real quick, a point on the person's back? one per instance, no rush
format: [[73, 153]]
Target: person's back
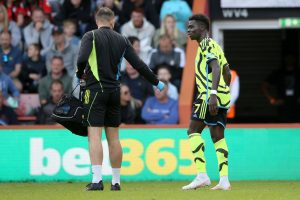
[[99, 64], [110, 48], [106, 41]]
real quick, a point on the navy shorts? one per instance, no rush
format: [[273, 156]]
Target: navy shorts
[[201, 113], [101, 108]]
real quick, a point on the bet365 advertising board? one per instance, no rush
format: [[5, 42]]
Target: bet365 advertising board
[[148, 154]]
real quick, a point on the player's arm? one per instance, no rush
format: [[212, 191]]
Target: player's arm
[[84, 53], [216, 73], [226, 74]]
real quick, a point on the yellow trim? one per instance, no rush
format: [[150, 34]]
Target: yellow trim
[[93, 60], [90, 109]]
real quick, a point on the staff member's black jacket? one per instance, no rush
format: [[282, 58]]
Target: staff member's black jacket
[[110, 48]]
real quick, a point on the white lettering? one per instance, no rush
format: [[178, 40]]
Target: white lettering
[[75, 157], [237, 13], [38, 155]]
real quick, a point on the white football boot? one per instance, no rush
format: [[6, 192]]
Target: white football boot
[[223, 184], [201, 180]]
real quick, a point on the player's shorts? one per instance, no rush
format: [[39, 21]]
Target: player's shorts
[[201, 113], [101, 108]]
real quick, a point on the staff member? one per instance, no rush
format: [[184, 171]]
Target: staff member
[[100, 57]]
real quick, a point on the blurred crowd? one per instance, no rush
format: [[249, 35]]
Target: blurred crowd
[[39, 43]]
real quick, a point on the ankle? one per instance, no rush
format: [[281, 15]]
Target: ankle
[[202, 175], [224, 179]]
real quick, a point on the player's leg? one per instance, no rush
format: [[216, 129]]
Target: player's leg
[[94, 109], [197, 147], [217, 134], [96, 156], [115, 155], [111, 123]]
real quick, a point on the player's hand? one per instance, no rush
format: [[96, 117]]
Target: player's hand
[[160, 86], [213, 104]]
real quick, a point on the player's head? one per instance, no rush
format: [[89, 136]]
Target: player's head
[[198, 24], [106, 17]]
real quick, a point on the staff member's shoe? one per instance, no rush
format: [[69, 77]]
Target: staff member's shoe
[[115, 187], [94, 186]]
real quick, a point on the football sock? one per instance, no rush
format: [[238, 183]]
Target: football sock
[[222, 155], [115, 175], [224, 179], [197, 148], [97, 173]]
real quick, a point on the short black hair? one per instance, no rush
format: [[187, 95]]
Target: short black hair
[[36, 46], [133, 39], [163, 66], [201, 18], [105, 14], [57, 57], [59, 82], [6, 31]]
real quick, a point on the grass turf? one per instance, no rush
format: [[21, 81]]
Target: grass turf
[[266, 190]]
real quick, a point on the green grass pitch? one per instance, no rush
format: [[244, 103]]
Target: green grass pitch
[[265, 190]]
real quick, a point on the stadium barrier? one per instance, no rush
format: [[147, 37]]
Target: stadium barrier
[[150, 153]]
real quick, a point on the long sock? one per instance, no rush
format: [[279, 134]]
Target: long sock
[[197, 147], [115, 175], [222, 155], [97, 173]]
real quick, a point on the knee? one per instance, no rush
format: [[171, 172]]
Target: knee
[[217, 138], [193, 130]]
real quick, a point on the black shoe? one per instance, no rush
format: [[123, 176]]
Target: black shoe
[[94, 186], [115, 187]]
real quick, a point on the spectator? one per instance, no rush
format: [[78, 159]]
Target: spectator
[[160, 109], [168, 27], [57, 73], [17, 11], [286, 82], [149, 9], [20, 10], [56, 91], [69, 32], [38, 31], [79, 10], [144, 55], [7, 114], [127, 105], [163, 73], [167, 54], [179, 9], [138, 26], [62, 48], [140, 89], [11, 58], [9, 25], [33, 69], [7, 86]]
